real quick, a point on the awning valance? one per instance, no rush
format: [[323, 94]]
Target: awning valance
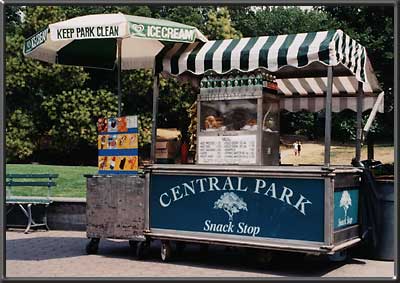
[[287, 56], [317, 103]]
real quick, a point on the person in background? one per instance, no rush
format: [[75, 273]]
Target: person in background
[[298, 148], [295, 148]]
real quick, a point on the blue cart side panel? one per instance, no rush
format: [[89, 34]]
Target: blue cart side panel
[[282, 208], [345, 207]]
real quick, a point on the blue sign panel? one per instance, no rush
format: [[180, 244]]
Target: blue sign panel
[[281, 208], [345, 207]]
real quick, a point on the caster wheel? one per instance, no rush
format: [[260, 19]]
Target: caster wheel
[[142, 249], [133, 244], [339, 256], [93, 246], [165, 251]]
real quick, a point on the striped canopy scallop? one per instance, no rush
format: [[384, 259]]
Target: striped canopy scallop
[[289, 55]]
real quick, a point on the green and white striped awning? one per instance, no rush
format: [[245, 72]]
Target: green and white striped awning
[[293, 56]]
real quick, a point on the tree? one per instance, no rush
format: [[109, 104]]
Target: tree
[[73, 115], [279, 20], [377, 36], [231, 204], [219, 25], [345, 202], [20, 136], [29, 82]]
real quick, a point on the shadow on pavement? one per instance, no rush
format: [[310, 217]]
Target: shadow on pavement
[[217, 257], [234, 259]]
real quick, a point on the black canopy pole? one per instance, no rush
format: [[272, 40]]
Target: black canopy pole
[[156, 90], [119, 49], [360, 96], [328, 118]]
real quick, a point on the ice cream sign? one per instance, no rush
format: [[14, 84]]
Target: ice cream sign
[[167, 33], [118, 145]]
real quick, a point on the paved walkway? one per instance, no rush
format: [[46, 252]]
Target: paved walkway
[[62, 254]]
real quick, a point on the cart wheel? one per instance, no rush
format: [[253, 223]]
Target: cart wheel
[[133, 244], [93, 246], [180, 247], [338, 256], [165, 251], [142, 249]]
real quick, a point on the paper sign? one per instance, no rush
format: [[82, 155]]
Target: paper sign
[[227, 149]]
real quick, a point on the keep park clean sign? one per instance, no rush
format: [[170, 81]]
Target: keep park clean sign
[[162, 32], [85, 32]]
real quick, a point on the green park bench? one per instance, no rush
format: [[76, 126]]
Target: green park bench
[[26, 202]]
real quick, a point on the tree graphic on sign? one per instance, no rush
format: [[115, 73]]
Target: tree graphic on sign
[[345, 202], [230, 203]]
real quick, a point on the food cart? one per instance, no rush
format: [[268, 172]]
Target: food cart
[[237, 193]]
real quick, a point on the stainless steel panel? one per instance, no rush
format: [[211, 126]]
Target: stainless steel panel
[[115, 207], [346, 234], [328, 230]]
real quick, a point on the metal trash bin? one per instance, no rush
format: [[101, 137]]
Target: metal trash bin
[[385, 247]]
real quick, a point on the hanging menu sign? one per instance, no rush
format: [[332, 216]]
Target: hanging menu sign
[[227, 149]]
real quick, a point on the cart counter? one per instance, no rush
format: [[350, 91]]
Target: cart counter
[[303, 208]]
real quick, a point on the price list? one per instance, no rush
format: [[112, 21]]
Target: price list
[[227, 149]]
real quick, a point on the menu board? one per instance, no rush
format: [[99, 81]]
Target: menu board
[[118, 145], [227, 149]]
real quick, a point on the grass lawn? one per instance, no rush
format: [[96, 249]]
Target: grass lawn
[[70, 181]]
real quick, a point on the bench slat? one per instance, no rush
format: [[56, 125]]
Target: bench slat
[[31, 175], [30, 184], [28, 200]]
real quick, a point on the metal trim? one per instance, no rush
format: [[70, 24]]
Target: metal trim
[[252, 168], [345, 245], [147, 187], [244, 174], [328, 211], [234, 240], [348, 230]]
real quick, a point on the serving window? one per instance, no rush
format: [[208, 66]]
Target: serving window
[[228, 115]]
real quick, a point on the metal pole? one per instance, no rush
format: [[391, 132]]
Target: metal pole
[[328, 118], [119, 49], [360, 96], [155, 110]]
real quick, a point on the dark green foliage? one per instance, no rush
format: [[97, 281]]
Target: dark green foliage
[[73, 115], [344, 126], [20, 136], [299, 123]]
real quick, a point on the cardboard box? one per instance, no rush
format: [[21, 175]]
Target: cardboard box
[[167, 149]]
